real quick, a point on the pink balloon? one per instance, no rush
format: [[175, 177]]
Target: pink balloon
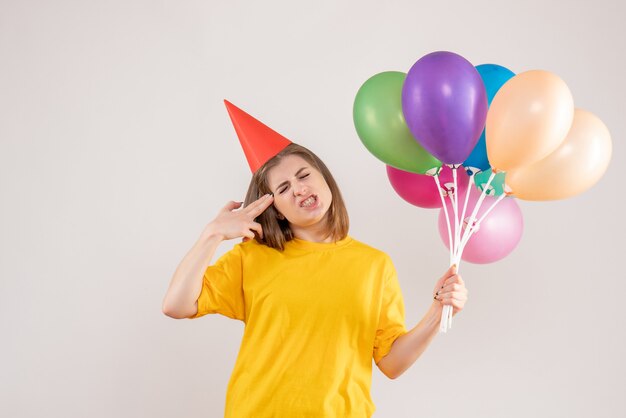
[[421, 190], [498, 234]]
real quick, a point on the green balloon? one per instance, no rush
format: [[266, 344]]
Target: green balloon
[[380, 124], [496, 188]]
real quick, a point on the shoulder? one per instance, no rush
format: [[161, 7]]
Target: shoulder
[[246, 253], [374, 259], [370, 251], [253, 248]]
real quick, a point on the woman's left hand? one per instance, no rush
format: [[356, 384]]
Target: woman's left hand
[[450, 290]]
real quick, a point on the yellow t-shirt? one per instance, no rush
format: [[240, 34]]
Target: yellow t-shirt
[[315, 315]]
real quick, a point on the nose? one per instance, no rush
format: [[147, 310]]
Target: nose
[[299, 189]]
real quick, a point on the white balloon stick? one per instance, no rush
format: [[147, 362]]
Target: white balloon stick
[[476, 224], [445, 211], [444, 314], [467, 194], [477, 207], [455, 202]]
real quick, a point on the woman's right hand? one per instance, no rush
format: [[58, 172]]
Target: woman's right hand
[[230, 223]]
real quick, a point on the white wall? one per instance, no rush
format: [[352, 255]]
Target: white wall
[[116, 150]]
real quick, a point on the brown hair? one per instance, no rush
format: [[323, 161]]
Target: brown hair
[[276, 232]]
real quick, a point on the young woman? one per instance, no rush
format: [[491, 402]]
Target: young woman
[[317, 305]]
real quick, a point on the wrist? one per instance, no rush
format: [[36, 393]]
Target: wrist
[[210, 234], [433, 315], [211, 237]]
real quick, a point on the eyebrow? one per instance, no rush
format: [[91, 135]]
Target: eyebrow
[[287, 181]]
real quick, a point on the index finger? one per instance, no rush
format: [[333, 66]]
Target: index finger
[[453, 279], [258, 206]]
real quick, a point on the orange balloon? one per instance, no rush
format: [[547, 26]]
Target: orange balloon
[[528, 119], [574, 167]]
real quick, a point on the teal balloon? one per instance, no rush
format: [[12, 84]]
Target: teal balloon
[[493, 76], [496, 188], [380, 124]]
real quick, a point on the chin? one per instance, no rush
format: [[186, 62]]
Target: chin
[[314, 221]]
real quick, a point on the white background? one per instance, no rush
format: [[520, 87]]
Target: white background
[[116, 151]]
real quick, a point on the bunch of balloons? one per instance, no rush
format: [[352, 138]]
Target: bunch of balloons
[[447, 129]]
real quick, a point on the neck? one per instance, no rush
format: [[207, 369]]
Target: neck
[[313, 233]]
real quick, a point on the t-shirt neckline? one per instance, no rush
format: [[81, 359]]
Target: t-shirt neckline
[[301, 244]]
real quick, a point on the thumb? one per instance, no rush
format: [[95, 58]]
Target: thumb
[[232, 205]]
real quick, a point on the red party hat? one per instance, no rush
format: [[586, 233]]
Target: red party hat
[[259, 142]]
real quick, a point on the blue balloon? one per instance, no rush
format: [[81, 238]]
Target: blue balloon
[[493, 76]]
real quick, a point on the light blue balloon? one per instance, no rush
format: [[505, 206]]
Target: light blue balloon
[[494, 76]]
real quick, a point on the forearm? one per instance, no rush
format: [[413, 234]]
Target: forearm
[[186, 284], [407, 348]]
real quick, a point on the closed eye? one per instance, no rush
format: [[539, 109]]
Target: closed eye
[[280, 189]]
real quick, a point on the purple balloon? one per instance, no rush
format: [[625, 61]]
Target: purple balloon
[[445, 105]]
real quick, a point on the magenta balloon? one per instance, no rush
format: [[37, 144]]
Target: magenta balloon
[[421, 190], [498, 234], [444, 102]]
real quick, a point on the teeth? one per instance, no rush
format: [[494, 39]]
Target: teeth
[[308, 202]]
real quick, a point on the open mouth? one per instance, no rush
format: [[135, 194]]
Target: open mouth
[[309, 201]]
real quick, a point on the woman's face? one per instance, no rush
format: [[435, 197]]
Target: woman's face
[[300, 192]]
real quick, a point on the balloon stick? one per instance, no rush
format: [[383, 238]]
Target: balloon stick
[[455, 204], [445, 211], [474, 227], [446, 315], [444, 321], [467, 194], [476, 208]]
